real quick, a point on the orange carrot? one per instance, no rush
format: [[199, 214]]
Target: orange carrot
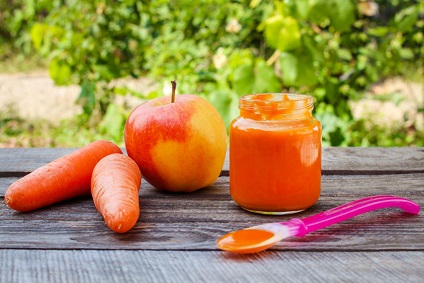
[[64, 178], [115, 185]]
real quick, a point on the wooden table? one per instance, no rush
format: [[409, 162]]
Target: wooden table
[[174, 239]]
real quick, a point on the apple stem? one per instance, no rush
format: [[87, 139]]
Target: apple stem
[[174, 87]]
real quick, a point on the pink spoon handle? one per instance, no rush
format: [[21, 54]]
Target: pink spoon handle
[[349, 210]]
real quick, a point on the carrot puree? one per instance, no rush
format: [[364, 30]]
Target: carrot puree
[[275, 154], [245, 241]]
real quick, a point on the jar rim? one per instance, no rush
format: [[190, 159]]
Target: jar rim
[[276, 101]]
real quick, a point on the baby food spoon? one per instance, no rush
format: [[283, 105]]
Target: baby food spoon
[[261, 237]]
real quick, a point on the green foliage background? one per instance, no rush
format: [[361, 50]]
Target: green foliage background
[[221, 50]]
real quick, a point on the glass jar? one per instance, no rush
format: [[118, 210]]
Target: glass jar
[[275, 154]]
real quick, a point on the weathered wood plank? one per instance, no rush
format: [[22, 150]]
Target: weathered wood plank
[[199, 266], [16, 162], [361, 160], [174, 240], [195, 221]]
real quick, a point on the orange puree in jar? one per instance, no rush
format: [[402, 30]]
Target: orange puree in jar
[[275, 154]]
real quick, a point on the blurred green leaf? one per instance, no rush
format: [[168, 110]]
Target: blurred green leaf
[[226, 102], [406, 19], [29, 8], [87, 97], [406, 53], [60, 72], [302, 8], [378, 31], [344, 54], [17, 21], [254, 3], [244, 79], [288, 65], [113, 122], [340, 13], [306, 75], [37, 33], [282, 33], [337, 137], [106, 72], [265, 78]]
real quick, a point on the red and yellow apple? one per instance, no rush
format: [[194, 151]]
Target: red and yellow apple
[[179, 145]]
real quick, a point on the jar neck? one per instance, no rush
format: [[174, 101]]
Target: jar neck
[[276, 106]]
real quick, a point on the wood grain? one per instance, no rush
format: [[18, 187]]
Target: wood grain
[[174, 239], [361, 160], [371, 161], [197, 266], [17, 162], [195, 221]]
